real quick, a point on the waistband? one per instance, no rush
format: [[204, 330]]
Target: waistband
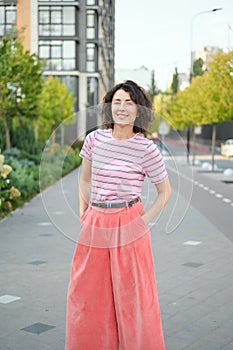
[[115, 205]]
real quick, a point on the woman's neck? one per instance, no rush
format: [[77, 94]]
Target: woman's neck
[[122, 132]]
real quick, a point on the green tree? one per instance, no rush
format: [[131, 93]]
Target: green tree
[[153, 91], [56, 105], [209, 98], [175, 82], [20, 84], [198, 67]]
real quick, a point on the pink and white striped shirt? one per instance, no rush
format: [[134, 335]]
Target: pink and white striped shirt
[[119, 167]]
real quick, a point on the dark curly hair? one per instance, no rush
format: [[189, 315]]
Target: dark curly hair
[[138, 96]]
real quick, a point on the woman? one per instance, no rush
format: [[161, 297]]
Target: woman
[[112, 295]]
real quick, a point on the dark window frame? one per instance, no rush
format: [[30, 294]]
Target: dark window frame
[[59, 60], [5, 26], [51, 9]]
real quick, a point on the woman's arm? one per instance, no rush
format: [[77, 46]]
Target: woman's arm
[[164, 193], [84, 186]]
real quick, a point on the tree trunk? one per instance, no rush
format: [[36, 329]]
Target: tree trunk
[[188, 144], [194, 146], [8, 139], [36, 128], [213, 145]]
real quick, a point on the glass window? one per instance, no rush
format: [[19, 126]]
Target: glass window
[[56, 30], [69, 49], [7, 18], [44, 30], [44, 52], [91, 57], [2, 14], [90, 66], [92, 91], [68, 30], [56, 64], [10, 16], [90, 33], [60, 55], [60, 19], [56, 51], [58, 0], [69, 64], [91, 19], [2, 29], [91, 2], [44, 17], [56, 17], [91, 24], [71, 83], [69, 15]]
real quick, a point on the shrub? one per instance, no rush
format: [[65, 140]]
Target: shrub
[[9, 195]]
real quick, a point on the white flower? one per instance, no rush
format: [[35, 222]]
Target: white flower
[[6, 169], [1, 161]]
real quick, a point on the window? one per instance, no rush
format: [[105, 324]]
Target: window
[[7, 18], [59, 54], [92, 101], [91, 57], [91, 2], [57, 21], [71, 83], [58, 0], [91, 30], [92, 91]]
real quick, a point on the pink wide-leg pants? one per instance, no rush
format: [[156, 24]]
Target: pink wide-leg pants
[[112, 297]]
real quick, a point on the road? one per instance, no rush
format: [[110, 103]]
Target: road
[[211, 193]]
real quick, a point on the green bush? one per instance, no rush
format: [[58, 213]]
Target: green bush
[[57, 162], [29, 177]]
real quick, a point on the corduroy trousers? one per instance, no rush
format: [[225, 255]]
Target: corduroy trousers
[[112, 300]]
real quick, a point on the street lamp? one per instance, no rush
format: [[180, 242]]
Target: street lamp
[[191, 64]]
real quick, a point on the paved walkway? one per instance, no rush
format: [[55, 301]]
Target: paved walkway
[[194, 267]]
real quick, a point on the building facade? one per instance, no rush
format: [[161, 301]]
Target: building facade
[[76, 40], [207, 54], [141, 76]]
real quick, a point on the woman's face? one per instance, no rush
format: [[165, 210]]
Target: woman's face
[[124, 110]]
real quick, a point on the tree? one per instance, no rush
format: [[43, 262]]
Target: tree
[[175, 82], [20, 84], [197, 67], [209, 98], [153, 91], [56, 105]]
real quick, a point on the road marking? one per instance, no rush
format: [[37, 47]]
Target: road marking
[[5, 299], [193, 243], [205, 188], [226, 200]]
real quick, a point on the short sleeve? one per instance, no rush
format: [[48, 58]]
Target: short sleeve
[[86, 151], [153, 164]]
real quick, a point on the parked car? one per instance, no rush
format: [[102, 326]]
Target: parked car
[[227, 148]]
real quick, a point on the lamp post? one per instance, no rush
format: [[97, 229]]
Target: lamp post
[[191, 65]]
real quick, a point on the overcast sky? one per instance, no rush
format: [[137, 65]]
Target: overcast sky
[[157, 34]]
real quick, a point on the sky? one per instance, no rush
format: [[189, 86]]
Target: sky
[[157, 34]]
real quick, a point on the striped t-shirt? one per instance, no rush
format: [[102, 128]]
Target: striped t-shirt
[[119, 167]]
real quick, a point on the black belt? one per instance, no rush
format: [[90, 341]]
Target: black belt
[[116, 205]]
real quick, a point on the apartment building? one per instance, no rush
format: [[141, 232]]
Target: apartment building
[[76, 39]]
